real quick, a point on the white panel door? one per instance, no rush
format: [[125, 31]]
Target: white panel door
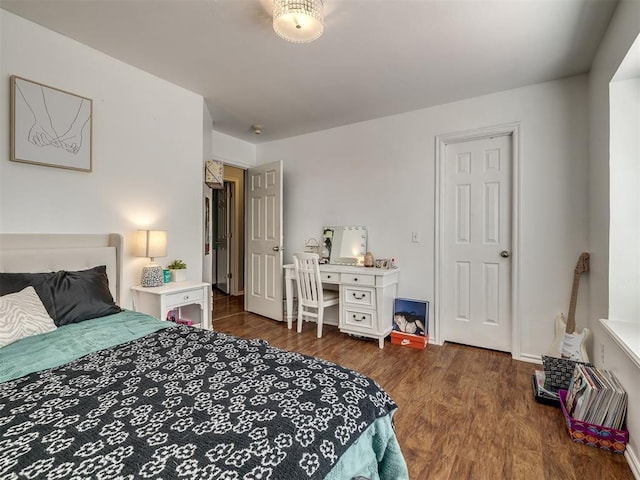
[[263, 286], [477, 264]]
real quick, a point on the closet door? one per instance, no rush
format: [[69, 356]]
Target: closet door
[[477, 259]]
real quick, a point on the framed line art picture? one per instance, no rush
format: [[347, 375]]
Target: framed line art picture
[[49, 126]]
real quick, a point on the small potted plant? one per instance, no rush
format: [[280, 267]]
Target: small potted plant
[[178, 270]]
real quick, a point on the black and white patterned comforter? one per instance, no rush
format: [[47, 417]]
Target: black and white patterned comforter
[[185, 403]]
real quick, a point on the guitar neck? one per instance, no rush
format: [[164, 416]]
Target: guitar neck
[[571, 318]]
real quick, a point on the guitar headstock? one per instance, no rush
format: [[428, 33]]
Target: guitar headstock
[[583, 263]]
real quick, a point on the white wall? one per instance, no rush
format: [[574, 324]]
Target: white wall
[[381, 174], [622, 31], [624, 221], [207, 154], [233, 151], [147, 151]]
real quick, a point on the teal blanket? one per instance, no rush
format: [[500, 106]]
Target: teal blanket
[[73, 341], [375, 455]]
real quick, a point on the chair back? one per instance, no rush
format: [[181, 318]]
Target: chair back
[[308, 279]]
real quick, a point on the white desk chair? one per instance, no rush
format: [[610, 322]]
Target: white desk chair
[[312, 298]]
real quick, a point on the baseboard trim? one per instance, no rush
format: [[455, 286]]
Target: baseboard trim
[[526, 357], [634, 463]]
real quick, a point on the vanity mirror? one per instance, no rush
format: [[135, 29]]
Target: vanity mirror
[[344, 245]]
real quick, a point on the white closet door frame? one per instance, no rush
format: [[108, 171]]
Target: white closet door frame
[[441, 143]]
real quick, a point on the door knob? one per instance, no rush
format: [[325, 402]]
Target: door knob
[[276, 248], [505, 254]]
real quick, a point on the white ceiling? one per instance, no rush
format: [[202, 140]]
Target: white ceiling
[[376, 57]]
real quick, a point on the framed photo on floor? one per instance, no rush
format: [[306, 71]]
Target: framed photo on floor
[[411, 316]]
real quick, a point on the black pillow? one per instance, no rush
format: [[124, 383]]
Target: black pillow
[[69, 297], [41, 282], [82, 295]]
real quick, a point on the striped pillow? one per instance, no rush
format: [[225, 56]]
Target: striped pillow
[[22, 314]]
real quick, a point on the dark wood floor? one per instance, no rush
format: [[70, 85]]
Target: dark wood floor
[[464, 412]]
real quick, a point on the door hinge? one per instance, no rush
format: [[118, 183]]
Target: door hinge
[[229, 275]]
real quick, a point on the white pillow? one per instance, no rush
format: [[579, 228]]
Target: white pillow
[[22, 314]]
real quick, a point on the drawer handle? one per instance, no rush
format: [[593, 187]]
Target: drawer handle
[[355, 279], [359, 298], [186, 297], [328, 276], [359, 319]]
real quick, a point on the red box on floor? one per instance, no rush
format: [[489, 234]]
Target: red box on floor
[[409, 340]]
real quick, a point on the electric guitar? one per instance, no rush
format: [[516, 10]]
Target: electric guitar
[[568, 343]]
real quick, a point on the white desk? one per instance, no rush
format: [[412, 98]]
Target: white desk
[[366, 298], [158, 301]]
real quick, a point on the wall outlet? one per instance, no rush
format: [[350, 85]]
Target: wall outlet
[[415, 237], [602, 354]]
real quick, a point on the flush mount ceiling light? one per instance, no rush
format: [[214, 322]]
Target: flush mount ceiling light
[[298, 21]]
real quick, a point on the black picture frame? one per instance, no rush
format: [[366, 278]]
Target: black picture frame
[[411, 316]]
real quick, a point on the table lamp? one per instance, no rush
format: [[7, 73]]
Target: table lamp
[[151, 244]]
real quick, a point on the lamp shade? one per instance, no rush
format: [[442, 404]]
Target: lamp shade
[[151, 244], [298, 21]]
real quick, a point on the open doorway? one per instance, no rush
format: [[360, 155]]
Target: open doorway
[[222, 244], [228, 235]]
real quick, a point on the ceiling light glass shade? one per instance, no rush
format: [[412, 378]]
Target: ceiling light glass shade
[[298, 21]]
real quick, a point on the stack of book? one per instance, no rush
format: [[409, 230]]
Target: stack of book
[[556, 376], [541, 393], [596, 396]]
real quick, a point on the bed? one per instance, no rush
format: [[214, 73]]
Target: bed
[[102, 392]]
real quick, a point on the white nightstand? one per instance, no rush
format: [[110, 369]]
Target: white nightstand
[[158, 301]]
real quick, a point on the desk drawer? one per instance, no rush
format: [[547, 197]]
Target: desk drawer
[[358, 279], [184, 298], [359, 320], [330, 277], [360, 296]]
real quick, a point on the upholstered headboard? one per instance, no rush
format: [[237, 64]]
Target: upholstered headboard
[[37, 252]]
